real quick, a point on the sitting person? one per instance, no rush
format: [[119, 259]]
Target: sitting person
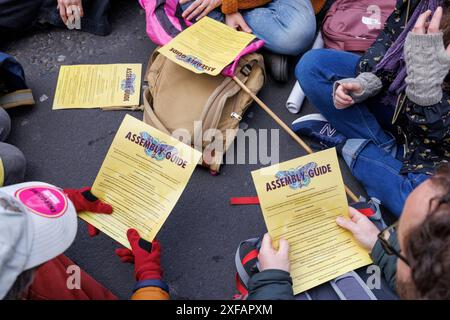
[[413, 257], [12, 88], [38, 222], [19, 16], [287, 27], [12, 160], [390, 122]]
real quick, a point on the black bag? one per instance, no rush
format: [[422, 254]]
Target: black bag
[[18, 16]]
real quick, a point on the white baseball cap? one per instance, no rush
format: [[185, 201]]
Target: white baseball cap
[[37, 223]]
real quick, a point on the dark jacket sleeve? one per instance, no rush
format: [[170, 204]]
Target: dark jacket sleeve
[[271, 285], [387, 263]]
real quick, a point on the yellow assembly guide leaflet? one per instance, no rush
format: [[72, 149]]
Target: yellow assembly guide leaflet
[[300, 200], [207, 46], [142, 177], [98, 86]]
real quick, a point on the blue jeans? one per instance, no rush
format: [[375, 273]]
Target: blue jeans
[[370, 152], [286, 26]]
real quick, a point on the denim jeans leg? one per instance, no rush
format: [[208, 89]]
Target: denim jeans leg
[[286, 26], [379, 172], [316, 72]]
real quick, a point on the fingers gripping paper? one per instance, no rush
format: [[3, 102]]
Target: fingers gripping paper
[[207, 46], [142, 177], [300, 200]]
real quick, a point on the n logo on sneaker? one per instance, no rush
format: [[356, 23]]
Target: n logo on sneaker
[[328, 130]]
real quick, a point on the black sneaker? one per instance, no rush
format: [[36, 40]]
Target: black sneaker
[[276, 65]]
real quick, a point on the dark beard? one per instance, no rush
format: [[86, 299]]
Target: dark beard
[[406, 290]]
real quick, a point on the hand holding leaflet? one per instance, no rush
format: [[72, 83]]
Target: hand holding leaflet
[[300, 200], [142, 178]]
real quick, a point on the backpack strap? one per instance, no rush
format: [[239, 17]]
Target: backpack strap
[[372, 210], [17, 98], [213, 111], [350, 286], [244, 200], [247, 251]]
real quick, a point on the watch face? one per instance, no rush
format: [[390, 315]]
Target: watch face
[[45, 201]]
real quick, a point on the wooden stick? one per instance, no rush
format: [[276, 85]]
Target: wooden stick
[[286, 128]]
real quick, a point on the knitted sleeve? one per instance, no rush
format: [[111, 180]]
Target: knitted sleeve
[[369, 82], [427, 64]]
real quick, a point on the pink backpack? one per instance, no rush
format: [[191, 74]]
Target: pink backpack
[[353, 25]]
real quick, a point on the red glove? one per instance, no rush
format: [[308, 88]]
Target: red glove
[[145, 255], [84, 200]]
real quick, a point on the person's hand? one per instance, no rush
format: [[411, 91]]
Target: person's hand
[[423, 27], [64, 11], [237, 22], [365, 232], [342, 98], [199, 8], [146, 257], [84, 200], [269, 258]]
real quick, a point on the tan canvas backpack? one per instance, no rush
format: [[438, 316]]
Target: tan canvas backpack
[[180, 101]]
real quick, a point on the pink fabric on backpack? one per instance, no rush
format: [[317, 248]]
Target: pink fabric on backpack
[[229, 70], [354, 25], [170, 9], [164, 22]]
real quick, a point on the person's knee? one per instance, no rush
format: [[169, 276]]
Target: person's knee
[[295, 38], [307, 69], [5, 124], [13, 162]]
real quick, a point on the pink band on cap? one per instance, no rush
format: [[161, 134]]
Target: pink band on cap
[[45, 201]]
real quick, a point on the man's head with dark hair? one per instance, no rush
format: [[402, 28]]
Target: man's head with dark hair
[[424, 237]]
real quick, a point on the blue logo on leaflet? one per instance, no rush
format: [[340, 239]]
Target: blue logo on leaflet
[[127, 84], [193, 61], [156, 149], [301, 175]]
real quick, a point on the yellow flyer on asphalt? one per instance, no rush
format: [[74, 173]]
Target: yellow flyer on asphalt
[[143, 176], [207, 46], [300, 200], [98, 86]]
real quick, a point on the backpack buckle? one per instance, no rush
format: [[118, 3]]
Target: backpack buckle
[[246, 70], [236, 116]]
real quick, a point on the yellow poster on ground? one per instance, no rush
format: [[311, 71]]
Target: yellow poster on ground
[[300, 200], [142, 177], [98, 86], [207, 46]]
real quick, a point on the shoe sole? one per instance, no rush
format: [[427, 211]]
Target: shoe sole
[[283, 75], [314, 116]]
